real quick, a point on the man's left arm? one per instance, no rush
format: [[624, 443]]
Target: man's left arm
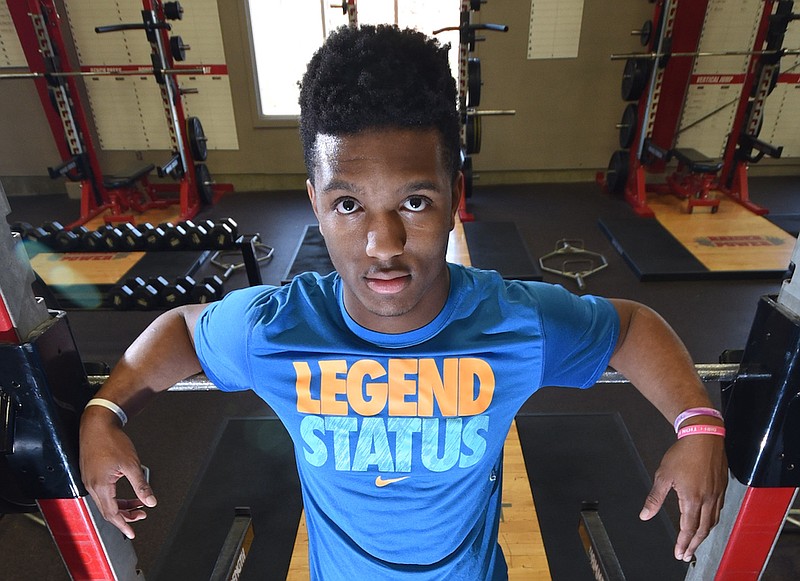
[[656, 362]]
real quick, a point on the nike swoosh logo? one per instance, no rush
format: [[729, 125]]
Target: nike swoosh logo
[[380, 482]]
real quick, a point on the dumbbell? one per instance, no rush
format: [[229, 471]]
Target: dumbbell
[[135, 293], [223, 234], [154, 237], [196, 235], [172, 294], [21, 228], [177, 293], [175, 236], [92, 241], [125, 237], [121, 297], [210, 290], [69, 240], [160, 284], [145, 296], [45, 233]]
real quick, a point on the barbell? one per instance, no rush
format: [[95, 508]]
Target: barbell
[[708, 372], [662, 57], [107, 73]]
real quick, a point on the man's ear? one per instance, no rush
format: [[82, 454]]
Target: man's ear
[[457, 194], [312, 196]]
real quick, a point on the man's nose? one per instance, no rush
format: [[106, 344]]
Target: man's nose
[[386, 236]]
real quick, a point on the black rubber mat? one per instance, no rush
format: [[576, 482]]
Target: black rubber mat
[[499, 246], [787, 222], [651, 251], [252, 466], [654, 254], [311, 255], [590, 457]]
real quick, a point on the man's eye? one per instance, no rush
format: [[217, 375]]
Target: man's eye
[[416, 203], [346, 206]]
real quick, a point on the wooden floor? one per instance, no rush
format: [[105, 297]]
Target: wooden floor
[[733, 239], [519, 535]]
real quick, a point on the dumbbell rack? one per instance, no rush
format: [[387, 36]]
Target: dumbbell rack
[[664, 85]]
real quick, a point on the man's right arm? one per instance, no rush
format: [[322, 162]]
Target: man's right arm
[[160, 357]]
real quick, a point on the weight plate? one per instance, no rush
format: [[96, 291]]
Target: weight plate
[[646, 32], [473, 134], [617, 174], [177, 48], [197, 139], [473, 82], [466, 169], [634, 78], [205, 186], [173, 10], [628, 125]]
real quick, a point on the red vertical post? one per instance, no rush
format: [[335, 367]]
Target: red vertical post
[[75, 534], [754, 533]]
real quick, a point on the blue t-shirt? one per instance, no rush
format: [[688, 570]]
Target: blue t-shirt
[[399, 437]]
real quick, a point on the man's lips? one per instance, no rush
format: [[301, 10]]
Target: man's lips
[[389, 282]]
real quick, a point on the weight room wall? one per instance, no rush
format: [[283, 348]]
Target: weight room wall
[[564, 128]]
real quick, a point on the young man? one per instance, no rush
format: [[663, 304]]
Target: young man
[[399, 375]]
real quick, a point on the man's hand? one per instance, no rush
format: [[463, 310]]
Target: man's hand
[[696, 468], [107, 455]]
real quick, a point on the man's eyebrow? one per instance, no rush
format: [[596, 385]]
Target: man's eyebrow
[[423, 185], [340, 185]]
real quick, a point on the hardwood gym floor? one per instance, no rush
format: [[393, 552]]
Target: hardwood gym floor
[[175, 434]]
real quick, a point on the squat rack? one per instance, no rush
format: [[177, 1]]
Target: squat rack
[[38, 26]]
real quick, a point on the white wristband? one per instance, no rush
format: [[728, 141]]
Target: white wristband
[[110, 405]]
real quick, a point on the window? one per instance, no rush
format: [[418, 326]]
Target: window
[[285, 33]]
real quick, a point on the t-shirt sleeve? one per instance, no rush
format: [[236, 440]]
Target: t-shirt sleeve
[[222, 336], [580, 334]]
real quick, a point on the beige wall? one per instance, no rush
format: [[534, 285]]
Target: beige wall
[[564, 128]]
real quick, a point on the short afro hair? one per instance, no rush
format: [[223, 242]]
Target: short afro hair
[[379, 77]]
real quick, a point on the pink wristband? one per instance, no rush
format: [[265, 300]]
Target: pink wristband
[[693, 412], [701, 429]]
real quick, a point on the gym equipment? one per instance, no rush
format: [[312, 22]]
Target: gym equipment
[[177, 48], [469, 176], [473, 135], [253, 253], [645, 33], [634, 79], [205, 185], [350, 10], [197, 139], [469, 85], [173, 11], [663, 57], [231, 559], [597, 544], [37, 25], [664, 87], [473, 82], [627, 126], [39, 366], [125, 237], [618, 172], [575, 261]]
